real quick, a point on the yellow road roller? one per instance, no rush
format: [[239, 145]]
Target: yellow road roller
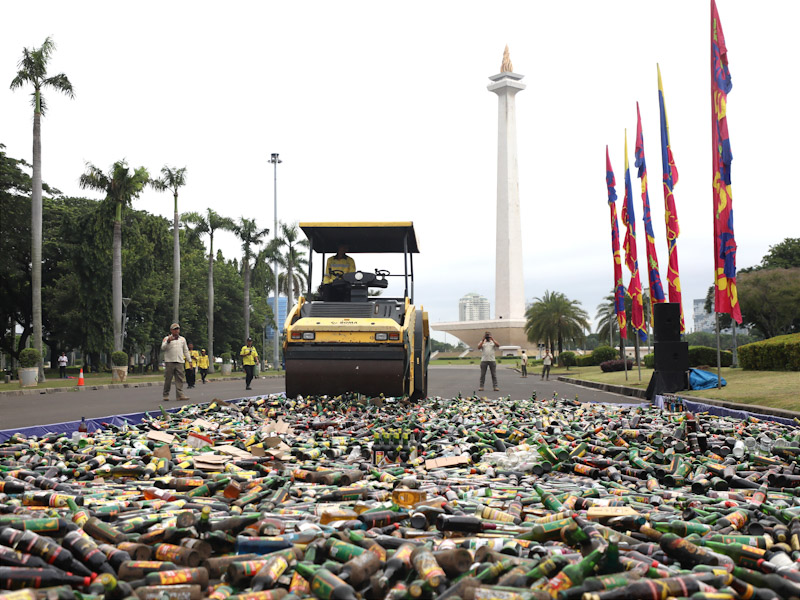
[[347, 335]]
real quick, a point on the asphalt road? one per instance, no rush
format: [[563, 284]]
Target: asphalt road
[[445, 381]]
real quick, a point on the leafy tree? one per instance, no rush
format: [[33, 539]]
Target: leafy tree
[[121, 186], [554, 318], [770, 300], [784, 255], [251, 236], [209, 224], [33, 70], [173, 179]]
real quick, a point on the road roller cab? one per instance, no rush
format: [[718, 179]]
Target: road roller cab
[[341, 336]]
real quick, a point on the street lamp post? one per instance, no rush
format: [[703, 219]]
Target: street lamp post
[[125, 302], [275, 161]]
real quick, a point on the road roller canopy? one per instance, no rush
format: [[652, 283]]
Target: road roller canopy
[[393, 237], [387, 237]]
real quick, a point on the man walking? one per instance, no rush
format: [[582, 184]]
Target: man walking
[[546, 363], [191, 366], [176, 352], [487, 347], [523, 363], [249, 357], [202, 364]]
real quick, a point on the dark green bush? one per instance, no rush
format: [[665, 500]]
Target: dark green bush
[[615, 365], [586, 361], [781, 353], [567, 359], [649, 361], [226, 358], [29, 358], [703, 355], [602, 354], [119, 358]]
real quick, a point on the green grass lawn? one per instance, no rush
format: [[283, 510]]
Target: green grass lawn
[[91, 379], [779, 389]]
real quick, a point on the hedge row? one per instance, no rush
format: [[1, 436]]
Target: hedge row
[[780, 353], [615, 365], [700, 356]]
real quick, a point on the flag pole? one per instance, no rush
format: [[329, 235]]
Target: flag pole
[[638, 362], [624, 358], [719, 355]]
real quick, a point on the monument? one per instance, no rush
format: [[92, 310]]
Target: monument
[[508, 326]]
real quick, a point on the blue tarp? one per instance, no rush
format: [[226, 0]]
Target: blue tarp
[[703, 380]]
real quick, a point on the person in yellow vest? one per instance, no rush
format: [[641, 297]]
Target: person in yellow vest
[[202, 364], [333, 288], [249, 357], [190, 366]]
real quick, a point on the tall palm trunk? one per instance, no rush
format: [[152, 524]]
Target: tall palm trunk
[[290, 286], [246, 297], [36, 235], [176, 266], [116, 279], [211, 304]]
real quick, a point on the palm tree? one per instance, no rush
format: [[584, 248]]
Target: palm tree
[[209, 224], [607, 317], [251, 236], [121, 186], [33, 70], [292, 260], [173, 179], [554, 318]]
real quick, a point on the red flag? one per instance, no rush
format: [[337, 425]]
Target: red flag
[[653, 274], [726, 299], [619, 284], [670, 178], [631, 260]]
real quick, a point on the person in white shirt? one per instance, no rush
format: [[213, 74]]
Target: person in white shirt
[[487, 346], [546, 363], [523, 363], [63, 361], [176, 352]]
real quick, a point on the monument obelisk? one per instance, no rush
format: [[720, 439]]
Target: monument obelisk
[[509, 289], [508, 325]]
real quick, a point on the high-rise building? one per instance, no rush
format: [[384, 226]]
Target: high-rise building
[[282, 300], [703, 320], [473, 307]]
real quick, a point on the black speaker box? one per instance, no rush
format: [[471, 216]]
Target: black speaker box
[[672, 357], [667, 322], [665, 382]]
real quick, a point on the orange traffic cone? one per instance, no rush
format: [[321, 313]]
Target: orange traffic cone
[[80, 378]]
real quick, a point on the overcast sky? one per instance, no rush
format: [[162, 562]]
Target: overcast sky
[[380, 111]]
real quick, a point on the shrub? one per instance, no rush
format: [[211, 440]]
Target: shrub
[[615, 365], [226, 358], [567, 359], [119, 358], [649, 361], [586, 361], [703, 355], [781, 353], [602, 354], [29, 358]]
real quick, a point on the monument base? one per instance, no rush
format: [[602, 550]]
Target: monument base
[[507, 332]]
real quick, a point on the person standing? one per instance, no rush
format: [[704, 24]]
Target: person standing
[[176, 353], [63, 361], [202, 365], [546, 364], [191, 366], [487, 347], [249, 357], [523, 363]]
